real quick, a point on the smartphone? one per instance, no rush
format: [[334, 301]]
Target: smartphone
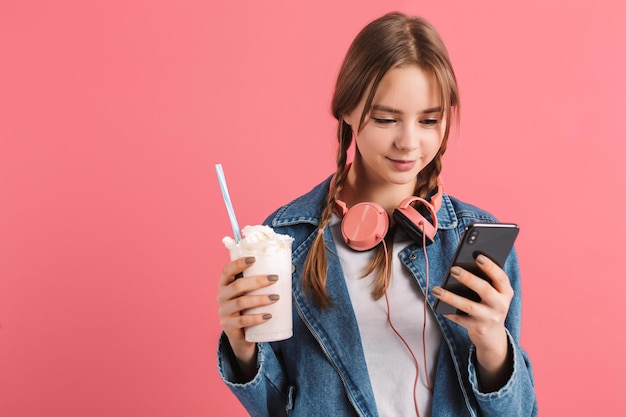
[[494, 240]]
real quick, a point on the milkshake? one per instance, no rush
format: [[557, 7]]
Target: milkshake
[[272, 252]]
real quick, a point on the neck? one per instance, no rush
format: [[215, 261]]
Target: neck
[[360, 186]]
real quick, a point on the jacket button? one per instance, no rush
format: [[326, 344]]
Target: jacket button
[[293, 268], [412, 256]]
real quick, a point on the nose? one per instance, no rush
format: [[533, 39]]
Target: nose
[[408, 138]]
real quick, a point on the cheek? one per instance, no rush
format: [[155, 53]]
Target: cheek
[[434, 140], [372, 140]]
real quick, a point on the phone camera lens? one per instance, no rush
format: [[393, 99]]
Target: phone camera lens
[[472, 237]]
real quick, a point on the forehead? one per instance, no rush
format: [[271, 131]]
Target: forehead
[[408, 85]]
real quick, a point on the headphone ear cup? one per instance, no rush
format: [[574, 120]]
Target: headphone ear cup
[[364, 226], [413, 223], [412, 229]]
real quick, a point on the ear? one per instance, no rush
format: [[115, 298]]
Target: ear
[[348, 119]]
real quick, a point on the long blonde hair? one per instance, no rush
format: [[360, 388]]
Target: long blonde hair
[[387, 42]]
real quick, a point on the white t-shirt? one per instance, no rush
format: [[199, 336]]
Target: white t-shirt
[[390, 365]]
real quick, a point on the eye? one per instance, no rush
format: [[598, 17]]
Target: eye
[[430, 122], [383, 121]]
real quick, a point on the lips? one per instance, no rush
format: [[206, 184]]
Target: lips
[[402, 165]]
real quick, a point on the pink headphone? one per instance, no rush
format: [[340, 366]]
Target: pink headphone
[[365, 224]]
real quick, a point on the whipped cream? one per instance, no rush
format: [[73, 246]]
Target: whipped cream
[[260, 238]]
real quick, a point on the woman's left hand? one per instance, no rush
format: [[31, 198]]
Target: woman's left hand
[[485, 319]]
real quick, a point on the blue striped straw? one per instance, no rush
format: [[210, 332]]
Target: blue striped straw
[[229, 206]]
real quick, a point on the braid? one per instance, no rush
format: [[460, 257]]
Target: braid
[[316, 264], [383, 275], [427, 179]]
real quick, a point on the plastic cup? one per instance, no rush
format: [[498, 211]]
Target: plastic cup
[[272, 256]]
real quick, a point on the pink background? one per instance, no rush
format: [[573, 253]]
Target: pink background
[[113, 114]]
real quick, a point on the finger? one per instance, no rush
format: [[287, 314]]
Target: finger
[[235, 323], [240, 305], [232, 269], [459, 302], [242, 286], [499, 279], [477, 284], [235, 298], [460, 319], [489, 295]]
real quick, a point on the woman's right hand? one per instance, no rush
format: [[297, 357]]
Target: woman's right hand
[[232, 300]]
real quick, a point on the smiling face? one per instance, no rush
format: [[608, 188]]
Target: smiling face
[[401, 133]]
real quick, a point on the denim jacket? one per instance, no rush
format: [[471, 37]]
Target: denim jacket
[[321, 370]]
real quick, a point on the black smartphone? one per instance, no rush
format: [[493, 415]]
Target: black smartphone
[[494, 240]]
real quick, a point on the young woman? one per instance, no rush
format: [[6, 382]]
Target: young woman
[[366, 341]]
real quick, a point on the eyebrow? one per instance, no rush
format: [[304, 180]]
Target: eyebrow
[[386, 109]]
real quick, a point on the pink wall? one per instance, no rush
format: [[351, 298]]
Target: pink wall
[[113, 114]]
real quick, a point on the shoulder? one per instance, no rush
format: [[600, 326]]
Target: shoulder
[[300, 218], [464, 209], [457, 214], [305, 209]]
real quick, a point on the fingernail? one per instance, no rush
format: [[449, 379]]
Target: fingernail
[[267, 316], [272, 277], [249, 260], [481, 259], [274, 297], [456, 271], [437, 291]]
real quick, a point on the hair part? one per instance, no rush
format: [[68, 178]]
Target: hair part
[[388, 42]]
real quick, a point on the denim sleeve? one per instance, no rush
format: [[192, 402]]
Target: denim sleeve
[[516, 397], [267, 393]]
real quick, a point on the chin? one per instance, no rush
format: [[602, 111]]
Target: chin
[[403, 178]]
